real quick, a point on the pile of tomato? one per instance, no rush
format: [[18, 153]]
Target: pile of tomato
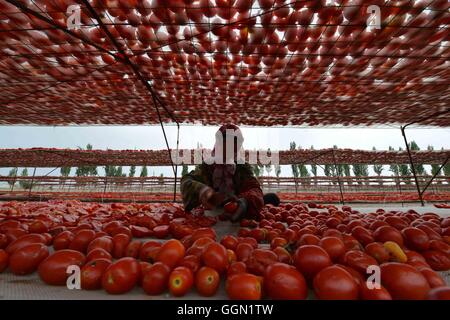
[[291, 251]]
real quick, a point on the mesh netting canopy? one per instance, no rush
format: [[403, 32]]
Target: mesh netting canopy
[[43, 157], [262, 63]]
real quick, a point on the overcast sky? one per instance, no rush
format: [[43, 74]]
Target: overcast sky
[[150, 137]]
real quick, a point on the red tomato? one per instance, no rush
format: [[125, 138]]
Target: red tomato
[[290, 235], [3, 241], [149, 251], [403, 281], [414, 256], [243, 251], [181, 280], [53, 270], [133, 249], [377, 251], [199, 246], [215, 256], [441, 293], [98, 253], [446, 237], [92, 272], [396, 222], [363, 235], [140, 232], [111, 226], [279, 225], [161, 232], [48, 239], [351, 243], [243, 286], [357, 276], [332, 233], [250, 241], [310, 259], [144, 266], [204, 233], [416, 239], [106, 243], [121, 276], [171, 253], [187, 241], [283, 255], [155, 279], [230, 207], [207, 281], [82, 239], [332, 222], [4, 260], [440, 246], [236, 267], [100, 234], [259, 260], [284, 282], [432, 234], [82, 226], [335, 283], [38, 226], [258, 234], [192, 262], [333, 246], [438, 260], [229, 242], [388, 233], [120, 243], [63, 240], [271, 234], [25, 241], [56, 230], [14, 234], [308, 239], [180, 231], [26, 260], [9, 224], [374, 294], [278, 242], [245, 223], [376, 224], [121, 229], [433, 278], [358, 260]]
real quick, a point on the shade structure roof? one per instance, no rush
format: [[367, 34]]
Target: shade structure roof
[[262, 62], [45, 157]]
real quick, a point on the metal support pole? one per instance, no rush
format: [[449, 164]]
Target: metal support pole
[[434, 176], [104, 188], [31, 184], [14, 180], [398, 183], [176, 165], [413, 169], [339, 179]]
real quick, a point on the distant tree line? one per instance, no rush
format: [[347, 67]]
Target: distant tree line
[[356, 170]]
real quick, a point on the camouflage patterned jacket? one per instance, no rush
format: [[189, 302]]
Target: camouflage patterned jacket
[[245, 186]]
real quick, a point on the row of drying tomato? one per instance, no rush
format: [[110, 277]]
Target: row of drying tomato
[[318, 246], [390, 196]]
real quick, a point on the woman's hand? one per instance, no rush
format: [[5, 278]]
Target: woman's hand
[[240, 211], [211, 199]]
